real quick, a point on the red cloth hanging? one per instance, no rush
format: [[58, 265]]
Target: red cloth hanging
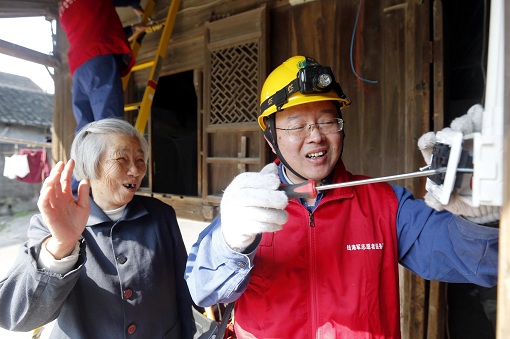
[[38, 163]]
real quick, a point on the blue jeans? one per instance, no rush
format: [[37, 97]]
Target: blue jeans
[[97, 90]]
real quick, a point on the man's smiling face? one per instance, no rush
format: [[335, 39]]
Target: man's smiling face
[[315, 155]]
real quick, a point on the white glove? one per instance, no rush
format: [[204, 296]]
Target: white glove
[[252, 204], [468, 123]]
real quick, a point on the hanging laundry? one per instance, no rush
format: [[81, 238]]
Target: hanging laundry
[[38, 163], [16, 166]]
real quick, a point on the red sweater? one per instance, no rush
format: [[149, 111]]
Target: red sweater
[[329, 274], [93, 28]]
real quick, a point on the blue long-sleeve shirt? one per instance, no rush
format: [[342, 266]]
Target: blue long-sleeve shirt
[[434, 245]]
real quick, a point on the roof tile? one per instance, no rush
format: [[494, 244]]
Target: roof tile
[[24, 103]]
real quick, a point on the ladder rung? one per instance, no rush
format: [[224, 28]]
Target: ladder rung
[[132, 107], [142, 65]]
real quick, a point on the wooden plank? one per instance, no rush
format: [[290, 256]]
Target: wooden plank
[[198, 83], [181, 56], [413, 66], [438, 67], [243, 24], [25, 142], [437, 312], [437, 318], [227, 160], [413, 313], [232, 42], [28, 54], [279, 44], [309, 37], [19, 8], [403, 33], [234, 127], [372, 96], [241, 167], [411, 77], [64, 124]]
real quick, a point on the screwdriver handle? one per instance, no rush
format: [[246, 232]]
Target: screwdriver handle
[[303, 190]]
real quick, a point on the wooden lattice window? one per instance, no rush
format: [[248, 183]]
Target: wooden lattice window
[[234, 84], [234, 64]]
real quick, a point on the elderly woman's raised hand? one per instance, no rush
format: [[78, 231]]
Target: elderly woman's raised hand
[[64, 216]]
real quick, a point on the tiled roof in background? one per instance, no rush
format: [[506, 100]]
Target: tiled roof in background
[[24, 103]]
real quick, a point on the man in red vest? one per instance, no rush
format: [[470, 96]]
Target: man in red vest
[[325, 266]]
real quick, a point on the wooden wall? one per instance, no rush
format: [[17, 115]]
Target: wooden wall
[[391, 47]]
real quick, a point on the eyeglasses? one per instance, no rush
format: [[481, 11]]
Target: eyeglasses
[[325, 127]]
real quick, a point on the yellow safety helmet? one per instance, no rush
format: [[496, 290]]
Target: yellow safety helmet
[[297, 81]]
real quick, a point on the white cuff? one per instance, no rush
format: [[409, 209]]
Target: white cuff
[[49, 263]]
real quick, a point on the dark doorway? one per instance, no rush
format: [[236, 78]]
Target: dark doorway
[[471, 308], [174, 136], [466, 33]]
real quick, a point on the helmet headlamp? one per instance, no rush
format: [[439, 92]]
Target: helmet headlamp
[[315, 79]]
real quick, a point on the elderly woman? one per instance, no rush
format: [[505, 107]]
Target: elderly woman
[[109, 264]]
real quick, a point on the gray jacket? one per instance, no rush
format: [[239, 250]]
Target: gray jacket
[[128, 281]]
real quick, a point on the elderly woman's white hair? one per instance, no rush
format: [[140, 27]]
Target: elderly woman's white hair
[[91, 142]]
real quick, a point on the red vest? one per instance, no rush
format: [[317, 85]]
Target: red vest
[[329, 274], [93, 28]]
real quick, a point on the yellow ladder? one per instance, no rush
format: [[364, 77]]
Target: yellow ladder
[[137, 41], [155, 64]]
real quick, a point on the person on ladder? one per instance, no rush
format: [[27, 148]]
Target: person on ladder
[[99, 55]]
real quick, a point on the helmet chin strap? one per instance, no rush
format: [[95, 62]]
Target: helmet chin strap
[[270, 134]]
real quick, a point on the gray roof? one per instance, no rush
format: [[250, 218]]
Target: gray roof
[[24, 103]]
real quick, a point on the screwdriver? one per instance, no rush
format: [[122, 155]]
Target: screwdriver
[[308, 189]]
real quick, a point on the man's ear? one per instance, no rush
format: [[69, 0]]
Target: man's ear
[[270, 144]]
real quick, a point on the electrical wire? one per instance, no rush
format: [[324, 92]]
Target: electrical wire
[[354, 33]]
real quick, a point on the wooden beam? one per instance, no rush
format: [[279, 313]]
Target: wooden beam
[[26, 142], [233, 161], [27, 54], [18, 8]]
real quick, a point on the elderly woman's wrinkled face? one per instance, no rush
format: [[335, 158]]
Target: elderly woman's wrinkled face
[[121, 170]]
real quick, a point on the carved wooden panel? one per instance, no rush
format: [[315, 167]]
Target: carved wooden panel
[[234, 84]]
